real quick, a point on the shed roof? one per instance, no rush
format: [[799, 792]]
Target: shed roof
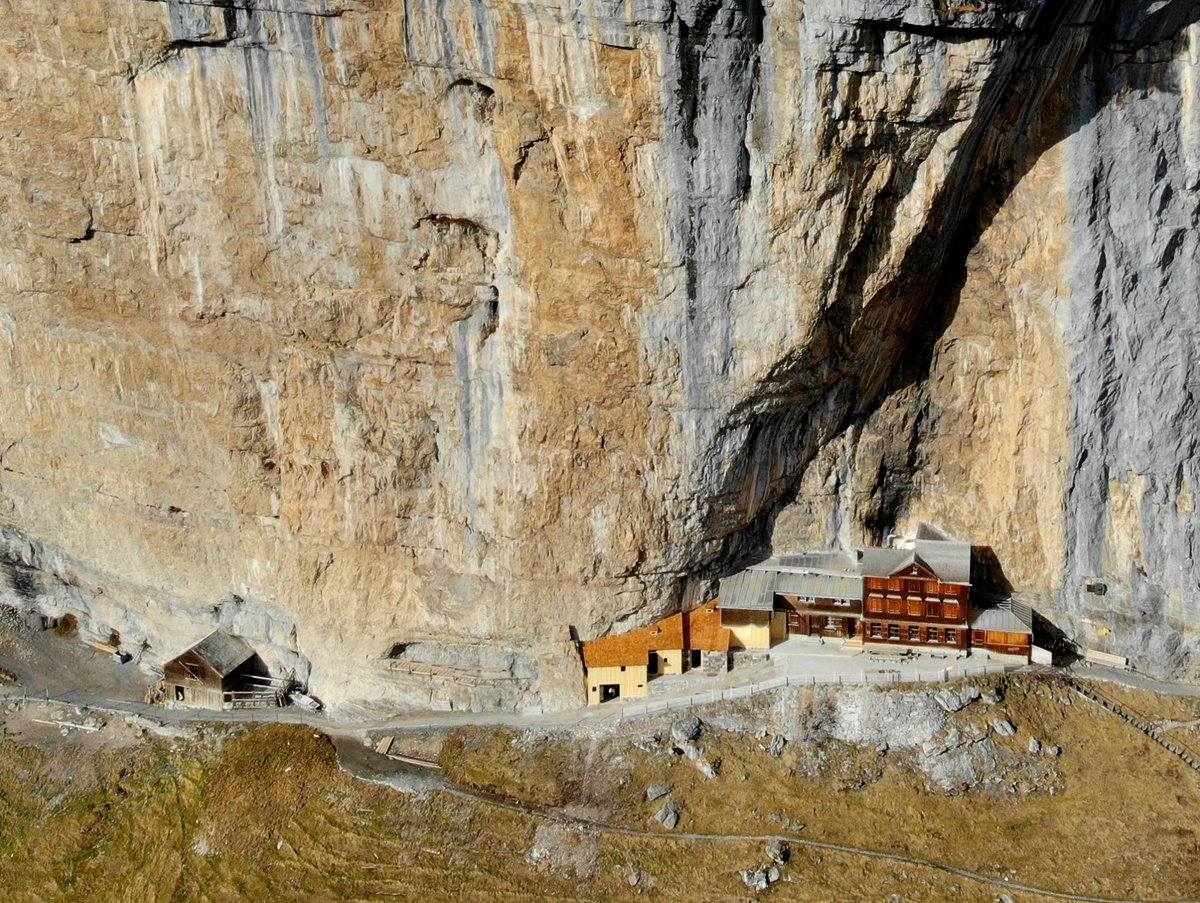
[[830, 561], [749, 590], [634, 646], [223, 651], [1009, 616], [819, 586]]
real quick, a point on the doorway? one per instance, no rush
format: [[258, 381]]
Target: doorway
[[609, 691]]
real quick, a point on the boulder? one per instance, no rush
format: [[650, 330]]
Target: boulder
[[706, 768], [1035, 745], [1003, 727], [656, 791], [775, 748], [1053, 750], [778, 851], [686, 729], [755, 879], [953, 701], [668, 815]]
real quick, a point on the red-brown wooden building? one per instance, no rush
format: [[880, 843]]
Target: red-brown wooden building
[[917, 597]]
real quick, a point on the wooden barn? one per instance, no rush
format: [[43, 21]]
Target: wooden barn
[[220, 672]]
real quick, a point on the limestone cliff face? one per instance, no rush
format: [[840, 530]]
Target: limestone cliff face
[[353, 323]]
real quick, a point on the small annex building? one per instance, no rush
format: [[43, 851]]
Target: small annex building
[[1005, 628], [220, 672], [623, 665]]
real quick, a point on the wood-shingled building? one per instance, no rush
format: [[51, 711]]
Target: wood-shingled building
[[623, 665], [220, 672]]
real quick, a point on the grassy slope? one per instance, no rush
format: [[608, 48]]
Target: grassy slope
[[266, 815]]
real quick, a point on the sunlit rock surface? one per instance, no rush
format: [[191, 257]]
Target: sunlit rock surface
[[350, 323]]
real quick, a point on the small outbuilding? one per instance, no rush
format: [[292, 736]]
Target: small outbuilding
[[220, 672], [623, 665], [1005, 628]]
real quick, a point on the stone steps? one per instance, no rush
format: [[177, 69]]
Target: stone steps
[[1188, 757]]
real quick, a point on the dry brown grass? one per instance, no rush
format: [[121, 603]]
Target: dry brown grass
[[266, 815]]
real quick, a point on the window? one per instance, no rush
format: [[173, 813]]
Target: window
[[914, 634], [875, 603], [831, 624], [915, 607], [951, 636], [914, 587], [893, 605], [933, 609], [876, 631], [893, 631], [933, 635], [951, 610]]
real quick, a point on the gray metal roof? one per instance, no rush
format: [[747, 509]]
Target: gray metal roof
[[883, 562], [950, 560], [223, 651], [819, 586], [748, 590], [1009, 616], [838, 562]]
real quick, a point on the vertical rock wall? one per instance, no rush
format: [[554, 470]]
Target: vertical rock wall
[[354, 323]]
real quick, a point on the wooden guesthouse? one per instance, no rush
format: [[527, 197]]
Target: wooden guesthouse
[[896, 599], [917, 597], [220, 672]]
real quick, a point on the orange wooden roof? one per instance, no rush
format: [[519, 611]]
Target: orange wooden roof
[[699, 628], [634, 647], [702, 629]]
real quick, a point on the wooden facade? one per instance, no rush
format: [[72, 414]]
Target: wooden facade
[[1003, 641], [823, 617], [913, 606], [220, 672]]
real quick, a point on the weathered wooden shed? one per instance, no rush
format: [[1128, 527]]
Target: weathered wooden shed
[[219, 672]]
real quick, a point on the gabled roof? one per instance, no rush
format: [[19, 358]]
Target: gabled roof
[[634, 647], [948, 560], [223, 652]]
